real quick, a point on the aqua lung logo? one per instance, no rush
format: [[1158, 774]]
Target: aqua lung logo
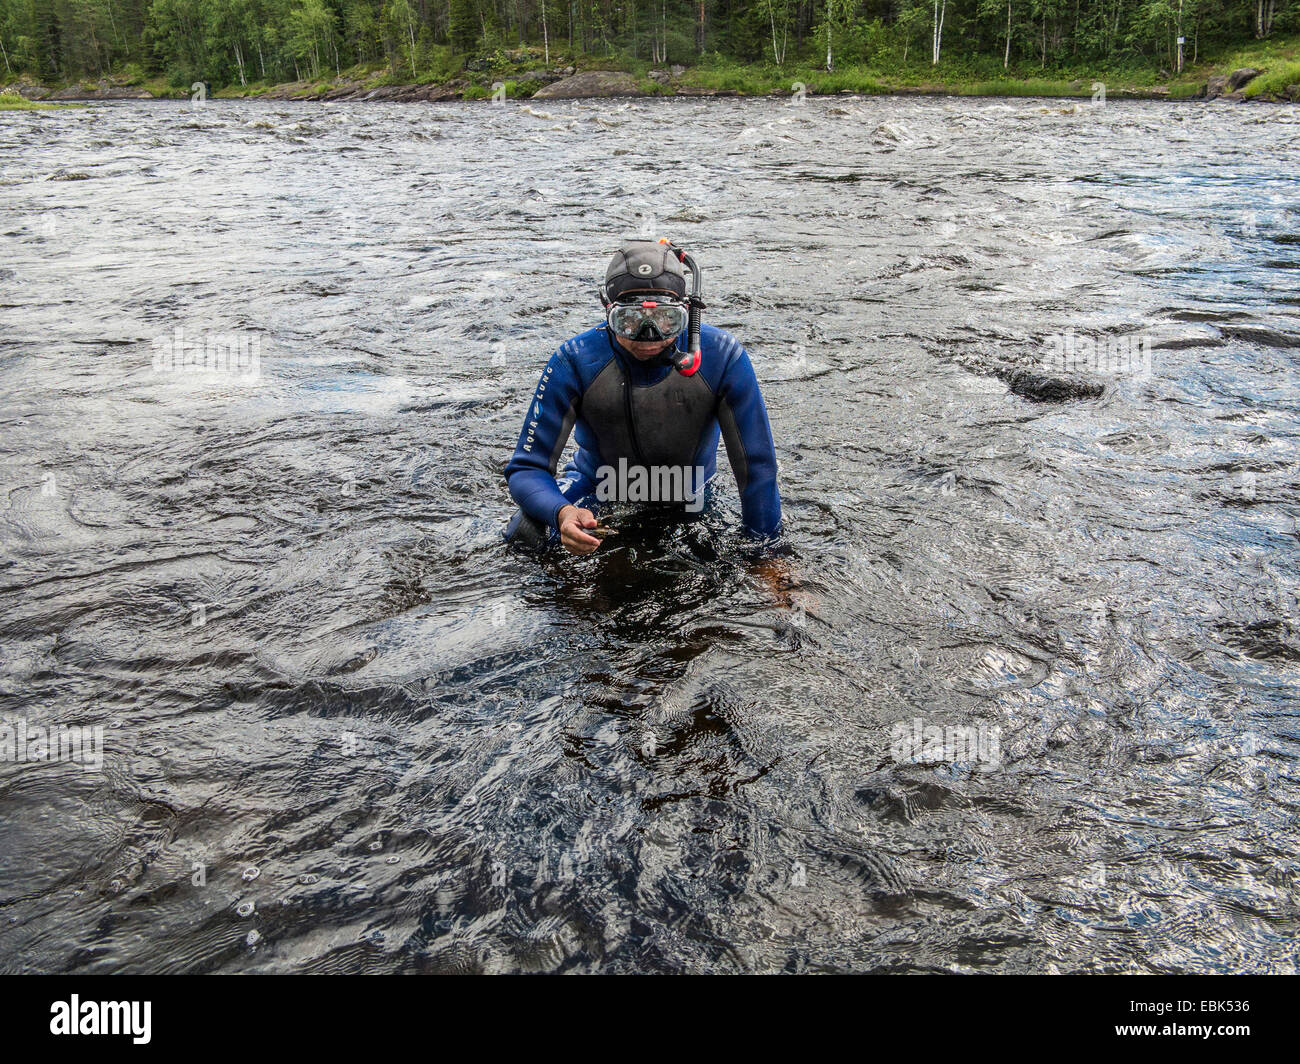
[[676, 484], [530, 431], [103, 1017]]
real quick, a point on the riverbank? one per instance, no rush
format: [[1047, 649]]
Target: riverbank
[[12, 101], [1265, 72]]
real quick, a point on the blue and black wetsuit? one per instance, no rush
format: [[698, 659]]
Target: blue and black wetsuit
[[648, 415]]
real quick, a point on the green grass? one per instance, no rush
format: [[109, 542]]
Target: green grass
[[1275, 80], [735, 77], [519, 90], [14, 102], [845, 79], [1278, 57], [239, 92], [871, 80]]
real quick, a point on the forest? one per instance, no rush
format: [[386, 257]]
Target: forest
[[238, 42]]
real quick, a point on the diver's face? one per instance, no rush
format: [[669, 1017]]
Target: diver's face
[[644, 349]]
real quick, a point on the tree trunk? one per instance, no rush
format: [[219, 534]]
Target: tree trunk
[[778, 50], [546, 37], [1006, 58], [1178, 40], [1264, 18]]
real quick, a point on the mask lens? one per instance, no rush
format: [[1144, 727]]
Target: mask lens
[[629, 319]]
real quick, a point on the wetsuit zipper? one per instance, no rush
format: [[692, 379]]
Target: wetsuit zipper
[[627, 409]]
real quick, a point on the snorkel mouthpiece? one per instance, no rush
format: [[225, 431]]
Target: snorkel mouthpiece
[[686, 364]]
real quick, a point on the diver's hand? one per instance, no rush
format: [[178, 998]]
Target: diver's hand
[[778, 577], [572, 520]]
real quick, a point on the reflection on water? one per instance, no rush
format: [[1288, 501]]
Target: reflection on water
[[344, 730]]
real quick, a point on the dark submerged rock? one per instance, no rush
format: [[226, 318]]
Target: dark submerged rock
[[1044, 387]]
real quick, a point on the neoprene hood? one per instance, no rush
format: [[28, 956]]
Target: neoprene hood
[[644, 266]]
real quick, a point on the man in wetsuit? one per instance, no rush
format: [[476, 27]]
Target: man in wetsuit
[[646, 411]]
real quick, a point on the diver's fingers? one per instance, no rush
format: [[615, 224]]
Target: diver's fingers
[[577, 543], [575, 540]]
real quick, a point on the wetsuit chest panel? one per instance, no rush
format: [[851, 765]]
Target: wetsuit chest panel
[[602, 408], [671, 416], [668, 418]]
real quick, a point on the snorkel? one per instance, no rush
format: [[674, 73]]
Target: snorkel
[[688, 362]]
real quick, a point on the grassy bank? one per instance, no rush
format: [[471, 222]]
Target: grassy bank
[[1275, 81], [474, 77], [11, 101], [1279, 57]]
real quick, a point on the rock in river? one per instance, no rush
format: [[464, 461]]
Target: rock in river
[[1054, 387], [591, 83]]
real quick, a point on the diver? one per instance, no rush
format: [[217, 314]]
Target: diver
[[647, 394]]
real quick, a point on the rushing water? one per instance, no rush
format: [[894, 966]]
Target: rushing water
[[346, 730]]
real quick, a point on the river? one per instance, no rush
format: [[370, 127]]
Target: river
[[345, 730]]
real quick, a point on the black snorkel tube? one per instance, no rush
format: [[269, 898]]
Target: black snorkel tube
[[688, 362]]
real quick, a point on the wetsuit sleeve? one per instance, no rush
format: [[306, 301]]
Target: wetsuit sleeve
[[748, 435], [530, 472]]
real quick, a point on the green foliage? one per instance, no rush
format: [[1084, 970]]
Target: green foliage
[[1023, 87], [1275, 81], [740, 45], [463, 25]]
